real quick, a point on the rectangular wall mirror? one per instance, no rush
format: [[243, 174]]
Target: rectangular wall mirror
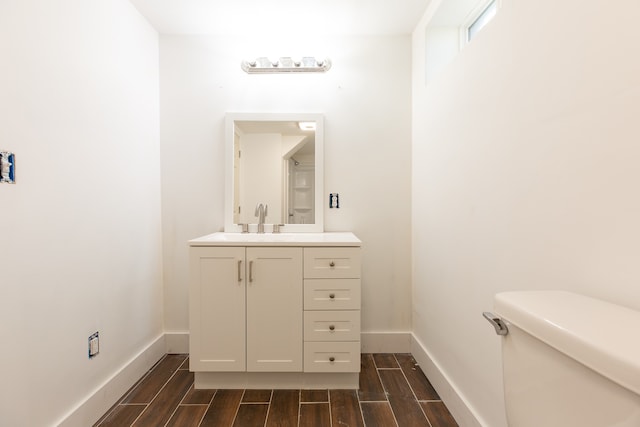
[[274, 159]]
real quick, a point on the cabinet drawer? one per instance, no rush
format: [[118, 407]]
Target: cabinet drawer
[[332, 294], [332, 356], [331, 263], [332, 325]]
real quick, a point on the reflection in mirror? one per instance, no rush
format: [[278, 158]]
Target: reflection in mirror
[[275, 160], [274, 165]]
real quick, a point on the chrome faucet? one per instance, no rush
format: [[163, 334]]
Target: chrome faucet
[[261, 212]]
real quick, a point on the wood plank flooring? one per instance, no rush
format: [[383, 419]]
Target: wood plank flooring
[[393, 392]]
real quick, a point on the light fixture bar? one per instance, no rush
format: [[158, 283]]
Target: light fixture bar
[[285, 64], [307, 125]]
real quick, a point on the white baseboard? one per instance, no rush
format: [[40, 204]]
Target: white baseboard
[[177, 342], [385, 342], [104, 397], [456, 403]]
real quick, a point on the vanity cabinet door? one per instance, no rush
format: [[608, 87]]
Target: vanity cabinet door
[[217, 309], [274, 309]]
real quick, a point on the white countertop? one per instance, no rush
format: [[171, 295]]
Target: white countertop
[[278, 239]]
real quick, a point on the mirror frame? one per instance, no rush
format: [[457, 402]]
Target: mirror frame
[[231, 118]]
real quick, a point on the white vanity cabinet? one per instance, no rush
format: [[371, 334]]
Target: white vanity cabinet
[[217, 311], [275, 311], [274, 305], [332, 309], [246, 309]]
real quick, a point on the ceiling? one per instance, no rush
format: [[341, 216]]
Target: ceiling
[[284, 127], [268, 126], [279, 17]]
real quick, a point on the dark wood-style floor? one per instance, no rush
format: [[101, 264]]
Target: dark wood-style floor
[[393, 392]]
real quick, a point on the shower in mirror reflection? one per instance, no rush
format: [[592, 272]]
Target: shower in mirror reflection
[[300, 190]]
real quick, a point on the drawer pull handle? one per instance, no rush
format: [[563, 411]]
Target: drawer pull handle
[[332, 264], [332, 296], [250, 271], [239, 271], [332, 328], [332, 359]]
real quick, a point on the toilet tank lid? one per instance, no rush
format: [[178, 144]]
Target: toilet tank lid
[[602, 336]]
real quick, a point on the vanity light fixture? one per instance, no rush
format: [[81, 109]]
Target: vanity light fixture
[[285, 64], [307, 125]]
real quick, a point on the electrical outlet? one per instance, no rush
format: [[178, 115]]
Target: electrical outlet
[[94, 345], [7, 167]]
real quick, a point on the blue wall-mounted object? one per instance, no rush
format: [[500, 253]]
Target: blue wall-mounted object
[[7, 167]]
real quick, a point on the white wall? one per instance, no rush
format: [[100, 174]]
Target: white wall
[[80, 230], [525, 176], [441, 47], [366, 99]]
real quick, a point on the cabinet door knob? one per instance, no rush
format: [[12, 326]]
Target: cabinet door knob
[[332, 296], [332, 328], [332, 264], [332, 359]]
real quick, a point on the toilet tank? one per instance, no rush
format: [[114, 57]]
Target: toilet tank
[[569, 360]]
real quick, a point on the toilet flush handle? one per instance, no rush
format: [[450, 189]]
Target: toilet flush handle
[[498, 323]]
